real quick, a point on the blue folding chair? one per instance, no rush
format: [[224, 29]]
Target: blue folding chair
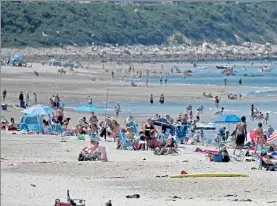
[[126, 144]]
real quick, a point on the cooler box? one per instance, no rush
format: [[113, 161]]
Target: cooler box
[[4, 107], [217, 158]]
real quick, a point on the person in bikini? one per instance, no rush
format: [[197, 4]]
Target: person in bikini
[[149, 131], [259, 136], [93, 123], [241, 133]]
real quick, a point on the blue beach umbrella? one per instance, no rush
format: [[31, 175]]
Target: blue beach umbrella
[[87, 109], [230, 118]]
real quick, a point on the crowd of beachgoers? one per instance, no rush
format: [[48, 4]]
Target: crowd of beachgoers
[[162, 134]]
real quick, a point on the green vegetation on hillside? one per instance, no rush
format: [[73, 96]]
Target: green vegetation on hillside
[[69, 23]]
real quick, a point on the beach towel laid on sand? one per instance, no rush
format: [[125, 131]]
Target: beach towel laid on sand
[[206, 151]]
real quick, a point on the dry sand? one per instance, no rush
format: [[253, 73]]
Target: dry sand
[[53, 168]]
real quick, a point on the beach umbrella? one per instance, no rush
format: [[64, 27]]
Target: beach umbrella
[[39, 110], [87, 109], [162, 122], [228, 119]]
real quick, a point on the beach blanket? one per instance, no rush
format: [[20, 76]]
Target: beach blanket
[[206, 151]]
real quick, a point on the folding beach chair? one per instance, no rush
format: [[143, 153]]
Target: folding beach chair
[[58, 128], [133, 127], [126, 144], [262, 164], [240, 152]]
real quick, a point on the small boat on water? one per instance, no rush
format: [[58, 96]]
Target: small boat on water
[[225, 66], [265, 69]]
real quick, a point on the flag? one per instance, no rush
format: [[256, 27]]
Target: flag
[[272, 137]]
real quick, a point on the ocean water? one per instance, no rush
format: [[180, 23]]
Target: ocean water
[[253, 83], [144, 109]]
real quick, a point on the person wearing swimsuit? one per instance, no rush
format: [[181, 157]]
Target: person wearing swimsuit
[[93, 123], [149, 132], [151, 99], [259, 136], [241, 133], [162, 99]]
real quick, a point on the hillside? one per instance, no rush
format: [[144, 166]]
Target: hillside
[[81, 24]]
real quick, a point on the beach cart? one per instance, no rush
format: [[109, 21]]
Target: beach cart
[[70, 202]]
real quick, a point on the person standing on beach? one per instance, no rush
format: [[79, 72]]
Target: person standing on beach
[[21, 99], [225, 81], [4, 95], [27, 99], [216, 101], [165, 80], [252, 111], [117, 109], [112, 74], [198, 115], [151, 99], [149, 131], [146, 82], [35, 98], [161, 80], [266, 118], [259, 136], [162, 99], [240, 82], [270, 130], [241, 133], [89, 101]]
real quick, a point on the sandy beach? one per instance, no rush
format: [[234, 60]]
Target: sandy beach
[[37, 169]]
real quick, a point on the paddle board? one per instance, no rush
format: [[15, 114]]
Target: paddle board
[[208, 175]]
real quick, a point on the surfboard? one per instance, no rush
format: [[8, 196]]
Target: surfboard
[[208, 175]]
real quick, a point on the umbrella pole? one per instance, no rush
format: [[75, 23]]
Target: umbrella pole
[[107, 99]]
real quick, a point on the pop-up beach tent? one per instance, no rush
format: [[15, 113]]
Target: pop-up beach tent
[[29, 122], [33, 117]]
